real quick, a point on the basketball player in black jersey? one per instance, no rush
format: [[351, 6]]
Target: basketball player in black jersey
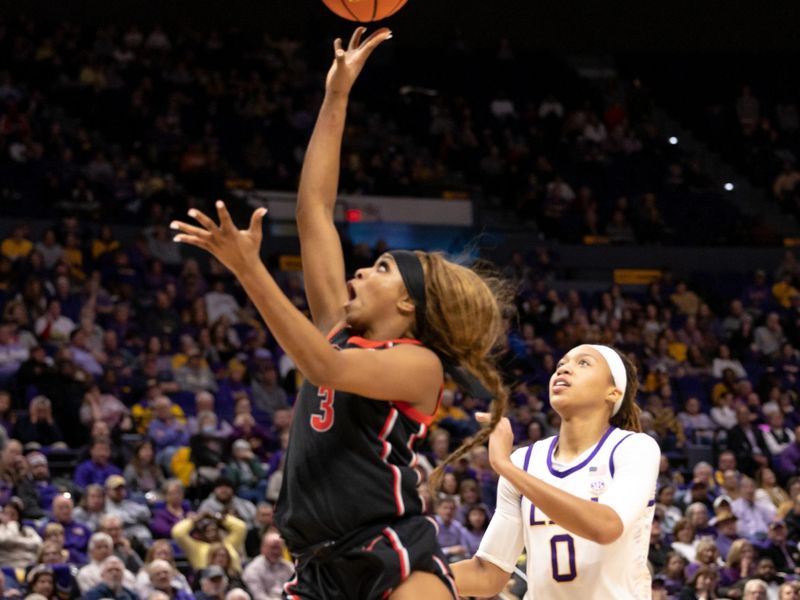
[[374, 361]]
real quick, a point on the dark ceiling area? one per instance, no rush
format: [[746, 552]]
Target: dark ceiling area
[[562, 25]]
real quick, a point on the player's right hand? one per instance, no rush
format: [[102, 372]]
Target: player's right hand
[[501, 442], [347, 64]]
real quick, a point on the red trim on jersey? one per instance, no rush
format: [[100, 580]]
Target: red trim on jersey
[[365, 343], [415, 415], [388, 425], [405, 563]]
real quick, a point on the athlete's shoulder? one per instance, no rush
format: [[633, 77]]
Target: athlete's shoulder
[[637, 445]]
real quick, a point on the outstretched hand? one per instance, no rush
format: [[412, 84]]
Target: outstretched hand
[[501, 442], [347, 64], [234, 248]]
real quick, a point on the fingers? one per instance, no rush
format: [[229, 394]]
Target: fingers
[[225, 221], [355, 40], [257, 219], [375, 40], [483, 417], [338, 51], [204, 220], [190, 229], [192, 240]]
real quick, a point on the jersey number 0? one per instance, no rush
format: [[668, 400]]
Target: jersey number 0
[[324, 422]]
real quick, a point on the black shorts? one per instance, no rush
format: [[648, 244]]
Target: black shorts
[[374, 569]]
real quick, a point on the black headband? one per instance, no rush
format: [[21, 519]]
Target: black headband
[[413, 275]]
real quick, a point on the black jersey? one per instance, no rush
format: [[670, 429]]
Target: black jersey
[[351, 461]]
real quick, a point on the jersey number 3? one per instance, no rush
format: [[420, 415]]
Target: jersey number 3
[[324, 422]]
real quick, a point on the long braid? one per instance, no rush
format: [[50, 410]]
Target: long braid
[[465, 320], [497, 409]]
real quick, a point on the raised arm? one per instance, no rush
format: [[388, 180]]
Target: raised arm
[[408, 373], [320, 247]]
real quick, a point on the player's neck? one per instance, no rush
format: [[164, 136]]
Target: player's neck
[[386, 329], [577, 434]]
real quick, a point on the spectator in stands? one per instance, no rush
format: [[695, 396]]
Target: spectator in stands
[[785, 557], [208, 533], [476, 523], [768, 487], [707, 555], [17, 246], [175, 509], [123, 547], [195, 376], [12, 353], [161, 575], [53, 327], [166, 432], [223, 500], [19, 543], [725, 524], [753, 516], [266, 574], [113, 582], [684, 539], [92, 506], [44, 487], [142, 412], [142, 474], [451, 534], [102, 407], [789, 591], [97, 469], [261, 441], [246, 472], [756, 589], [160, 550], [100, 548], [52, 550], [51, 251], [135, 517], [788, 461], [268, 395], [264, 524], [778, 437], [769, 337], [41, 580], [76, 535], [38, 425], [219, 555], [697, 425], [702, 585], [213, 584], [674, 573], [747, 442], [739, 564], [204, 403]]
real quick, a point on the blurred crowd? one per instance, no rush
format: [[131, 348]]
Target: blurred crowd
[[111, 122]]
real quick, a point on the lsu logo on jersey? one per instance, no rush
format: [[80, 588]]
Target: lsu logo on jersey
[[597, 480]]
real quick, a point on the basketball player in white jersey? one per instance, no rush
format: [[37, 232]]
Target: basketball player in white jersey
[[581, 503]]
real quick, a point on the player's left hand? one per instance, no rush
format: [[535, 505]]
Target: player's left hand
[[235, 248], [501, 442]]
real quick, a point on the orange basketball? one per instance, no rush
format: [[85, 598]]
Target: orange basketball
[[364, 11]]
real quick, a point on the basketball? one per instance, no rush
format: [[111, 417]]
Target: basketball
[[364, 11]]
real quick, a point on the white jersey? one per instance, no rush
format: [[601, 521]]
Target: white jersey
[[620, 471]]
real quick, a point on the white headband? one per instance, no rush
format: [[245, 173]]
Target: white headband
[[618, 372]]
